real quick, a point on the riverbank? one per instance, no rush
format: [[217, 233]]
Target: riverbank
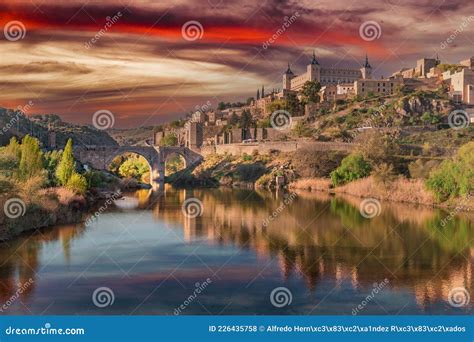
[[399, 190], [54, 206]]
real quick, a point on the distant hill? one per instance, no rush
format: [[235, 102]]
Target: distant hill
[[133, 136], [15, 123]]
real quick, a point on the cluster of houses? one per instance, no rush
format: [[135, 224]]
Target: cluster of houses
[[205, 127]]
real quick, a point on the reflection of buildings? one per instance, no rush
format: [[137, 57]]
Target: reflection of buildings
[[336, 246]]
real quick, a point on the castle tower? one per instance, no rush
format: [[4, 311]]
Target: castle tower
[[366, 69], [313, 70], [287, 76]]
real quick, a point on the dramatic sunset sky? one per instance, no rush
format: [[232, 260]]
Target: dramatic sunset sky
[[145, 72]]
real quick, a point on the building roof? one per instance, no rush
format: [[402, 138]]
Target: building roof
[[314, 61]]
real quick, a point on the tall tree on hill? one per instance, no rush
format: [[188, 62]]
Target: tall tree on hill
[[310, 92], [293, 105], [31, 162], [66, 166], [246, 119]]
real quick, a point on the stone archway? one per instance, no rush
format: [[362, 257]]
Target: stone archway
[[100, 157]]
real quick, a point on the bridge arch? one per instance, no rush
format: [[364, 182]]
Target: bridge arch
[[100, 157]]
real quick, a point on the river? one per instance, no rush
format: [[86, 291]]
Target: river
[[248, 252]]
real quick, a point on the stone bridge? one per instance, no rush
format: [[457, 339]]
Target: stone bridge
[[100, 157]]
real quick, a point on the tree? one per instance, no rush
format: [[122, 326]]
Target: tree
[[245, 119], [249, 101], [310, 92], [169, 140], [31, 163], [66, 166], [293, 105], [234, 119], [221, 106]]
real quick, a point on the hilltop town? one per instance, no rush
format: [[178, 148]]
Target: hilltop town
[[329, 104]]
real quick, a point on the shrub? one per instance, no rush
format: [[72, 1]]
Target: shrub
[[95, 179], [77, 183], [454, 177], [352, 167], [422, 169]]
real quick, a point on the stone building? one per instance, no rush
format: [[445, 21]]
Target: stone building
[[462, 86], [325, 76], [376, 87]]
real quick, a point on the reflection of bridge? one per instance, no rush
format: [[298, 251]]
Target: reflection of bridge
[[100, 157]]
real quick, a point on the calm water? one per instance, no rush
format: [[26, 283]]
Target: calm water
[[318, 247]]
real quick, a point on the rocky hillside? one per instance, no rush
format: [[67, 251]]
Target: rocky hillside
[[15, 123]]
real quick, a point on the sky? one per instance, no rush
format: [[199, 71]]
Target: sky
[[148, 62]]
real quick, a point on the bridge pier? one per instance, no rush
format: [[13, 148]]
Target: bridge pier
[[99, 157]]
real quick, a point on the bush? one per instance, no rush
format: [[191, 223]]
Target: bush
[[352, 167], [95, 179], [77, 183], [421, 169], [454, 177]]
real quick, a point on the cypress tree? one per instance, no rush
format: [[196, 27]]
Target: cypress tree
[[66, 165]]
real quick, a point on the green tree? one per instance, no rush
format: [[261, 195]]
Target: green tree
[[310, 92], [31, 163], [246, 119], [293, 105], [66, 166], [50, 163], [353, 167], [169, 140], [134, 167]]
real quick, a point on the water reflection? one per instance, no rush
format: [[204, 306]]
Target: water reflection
[[318, 240]]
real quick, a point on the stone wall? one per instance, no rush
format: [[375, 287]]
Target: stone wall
[[281, 146]]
